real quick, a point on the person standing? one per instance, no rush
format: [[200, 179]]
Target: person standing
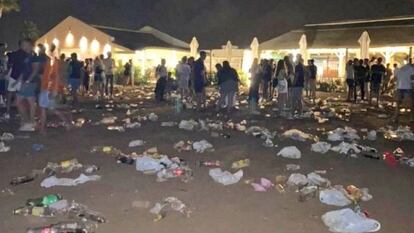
[[297, 89], [228, 81], [350, 80], [254, 86], [183, 73], [199, 80], [377, 75], [313, 73], [87, 70], [267, 78], [98, 84], [109, 64], [161, 73], [3, 74], [360, 76], [405, 81], [75, 74], [367, 65], [282, 86], [290, 77], [49, 89], [387, 78], [29, 83], [16, 67], [128, 73]]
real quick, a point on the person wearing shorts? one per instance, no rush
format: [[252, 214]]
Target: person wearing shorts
[[405, 77], [183, 73], [29, 82], [16, 66], [49, 90], [98, 77], [75, 68]]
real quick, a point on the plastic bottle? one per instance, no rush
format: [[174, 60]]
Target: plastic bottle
[[209, 163], [66, 227], [68, 163], [44, 201], [241, 164], [34, 211], [23, 179], [125, 160]]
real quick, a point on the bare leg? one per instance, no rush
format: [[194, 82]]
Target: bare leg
[[32, 108], [43, 119], [21, 108]]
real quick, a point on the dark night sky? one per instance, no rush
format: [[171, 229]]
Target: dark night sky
[[212, 21]]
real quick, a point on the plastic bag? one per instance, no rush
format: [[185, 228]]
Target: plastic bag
[[225, 177], [202, 146], [334, 197], [316, 179], [297, 179], [153, 117], [263, 186], [297, 135], [372, 135], [347, 221], [291, 152], [54, 181], [147, 164], [136, 143], [188, 125], [321, 147]]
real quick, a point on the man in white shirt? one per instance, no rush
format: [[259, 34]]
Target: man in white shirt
[[405, 78], [183, 72], [109, 64]]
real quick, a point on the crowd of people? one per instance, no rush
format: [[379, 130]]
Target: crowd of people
[[285, 79], [37, 81], [369, 79]]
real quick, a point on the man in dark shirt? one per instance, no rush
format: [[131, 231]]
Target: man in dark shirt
[[297, 87], [15, 66], [199, 79], [267, 77], [360, 77], [29, 79], [313, 73], [377, 74], [75, 69]]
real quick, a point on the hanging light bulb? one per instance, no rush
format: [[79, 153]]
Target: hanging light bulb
[[83, 44], [69, 39], [55, 42], [107, 48], [95, 46]]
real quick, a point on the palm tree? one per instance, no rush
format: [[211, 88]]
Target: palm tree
[[9, 5]]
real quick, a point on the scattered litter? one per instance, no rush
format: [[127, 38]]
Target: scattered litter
[[341, 134], [168, 204], [292, 167], [37, 147], [203, 146], [316, 179], [188, 125], [134, 125], [54, 181], [297, 179], [136, 143], [225, 177], [153, 117], [291, 152], [4, 148], [347, 221], [298, 135], [116, 128], [263, 186], [372, 135], [183, 146], [400, 134], [334, 196], [307, 193], [168, 124], [321, 147], [109, 120], [346, 148], [141, 204], [240, 164], [7, 137]]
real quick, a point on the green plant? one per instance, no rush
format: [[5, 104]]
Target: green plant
[[30, 30], [9, 5], [243, 78]]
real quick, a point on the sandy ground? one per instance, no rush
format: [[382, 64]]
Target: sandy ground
[[216, 208]]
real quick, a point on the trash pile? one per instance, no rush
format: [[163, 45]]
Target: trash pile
[[402, 133], [160, 209], [5, 137], [341, 134], [298, 135], [81, 218], [164, 167]]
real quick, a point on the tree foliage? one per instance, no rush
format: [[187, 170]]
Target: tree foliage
[[30, 31], [9, 5]]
